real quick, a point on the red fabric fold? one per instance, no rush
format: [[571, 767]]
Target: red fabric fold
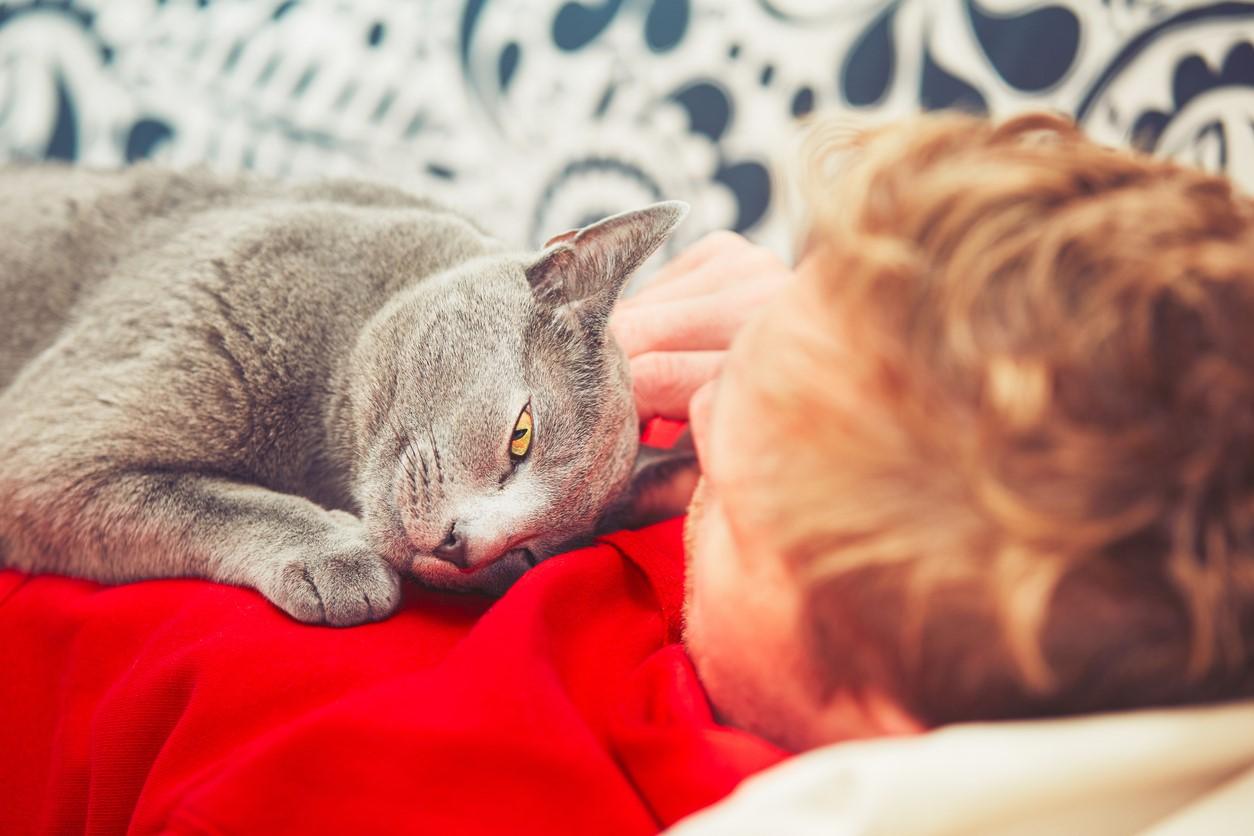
[[190, 707]]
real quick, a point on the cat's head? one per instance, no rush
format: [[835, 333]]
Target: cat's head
[[493, 409]]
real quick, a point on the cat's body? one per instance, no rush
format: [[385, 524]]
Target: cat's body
[[303, 389]]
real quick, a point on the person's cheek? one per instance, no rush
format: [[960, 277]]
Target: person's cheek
[[693, 519], [692, 564], [700, 548], [699, 411], [709, 555]]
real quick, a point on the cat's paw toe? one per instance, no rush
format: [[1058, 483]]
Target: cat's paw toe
[[340, 591]]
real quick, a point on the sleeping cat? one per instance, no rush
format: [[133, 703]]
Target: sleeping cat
[[305, 389]]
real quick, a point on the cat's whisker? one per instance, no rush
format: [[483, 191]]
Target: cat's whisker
[[435, 452]]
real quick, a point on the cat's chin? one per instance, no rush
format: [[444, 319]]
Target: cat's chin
[[493, 579]]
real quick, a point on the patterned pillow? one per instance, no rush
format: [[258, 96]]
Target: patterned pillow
[[537, 116]]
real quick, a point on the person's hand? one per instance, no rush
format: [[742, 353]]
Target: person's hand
[[676, 330]]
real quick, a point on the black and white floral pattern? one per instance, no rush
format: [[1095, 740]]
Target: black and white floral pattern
[[537, 116]]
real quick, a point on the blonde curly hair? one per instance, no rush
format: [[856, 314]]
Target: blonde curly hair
[[1043, 500]]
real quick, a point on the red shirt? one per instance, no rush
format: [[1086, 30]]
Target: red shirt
[[192, 707]]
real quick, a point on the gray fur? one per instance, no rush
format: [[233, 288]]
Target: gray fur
[[300, 388]]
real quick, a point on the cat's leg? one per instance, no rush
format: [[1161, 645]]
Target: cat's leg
[[115, 527]]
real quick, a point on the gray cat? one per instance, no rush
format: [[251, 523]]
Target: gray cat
[[305, 389]]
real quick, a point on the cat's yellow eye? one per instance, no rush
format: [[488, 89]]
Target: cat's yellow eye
[[520, 440]]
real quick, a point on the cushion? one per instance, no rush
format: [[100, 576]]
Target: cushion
[[191, 707]]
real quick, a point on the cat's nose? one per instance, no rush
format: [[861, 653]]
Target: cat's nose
[[453, 549]]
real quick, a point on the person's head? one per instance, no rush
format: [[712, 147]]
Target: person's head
[[991, 455]]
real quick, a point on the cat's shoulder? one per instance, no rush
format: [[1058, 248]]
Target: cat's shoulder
[[365, 193], [160, 188]]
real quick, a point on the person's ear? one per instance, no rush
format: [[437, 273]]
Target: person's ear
[[581, 272]]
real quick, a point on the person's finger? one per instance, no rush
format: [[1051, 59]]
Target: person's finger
[[719, 273], [692, 324], [663, 382], [694, 256], [707, 322]]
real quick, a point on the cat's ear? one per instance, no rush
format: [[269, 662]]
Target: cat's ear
[[583, 271]]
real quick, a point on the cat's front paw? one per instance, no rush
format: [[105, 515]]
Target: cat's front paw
[[342, 587]]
